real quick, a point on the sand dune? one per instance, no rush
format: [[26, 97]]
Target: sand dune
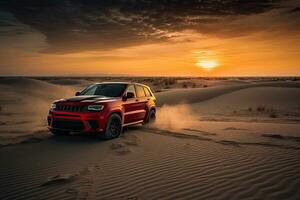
[[29, 94], [24, 106], [264, 96], [256, 103], [194, 95], [206, 144], [71, 82]]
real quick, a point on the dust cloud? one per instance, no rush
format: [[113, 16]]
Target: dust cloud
[[25, 104], [175, 117]]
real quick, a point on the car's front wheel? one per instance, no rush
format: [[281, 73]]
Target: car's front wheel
[[113, 127]]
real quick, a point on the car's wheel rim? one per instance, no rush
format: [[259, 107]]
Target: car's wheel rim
[[115, 127]]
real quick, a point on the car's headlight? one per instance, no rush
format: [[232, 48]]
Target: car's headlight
[[53, 106], [95, 107]]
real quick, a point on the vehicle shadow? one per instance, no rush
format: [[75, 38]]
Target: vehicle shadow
[[89, 138], [76, 138]]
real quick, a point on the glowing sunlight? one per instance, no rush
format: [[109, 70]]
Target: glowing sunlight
[[207, 64]]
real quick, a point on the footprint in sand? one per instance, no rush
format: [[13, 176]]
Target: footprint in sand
[[60, 179], [130, 139], [120, 148], [85, 179], [85, 190], [67, 178], [86, 186]]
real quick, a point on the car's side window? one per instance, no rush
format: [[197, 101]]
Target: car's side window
[[140, 91], [131, 89], [147, 92]]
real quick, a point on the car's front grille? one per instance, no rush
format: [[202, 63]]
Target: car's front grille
[[72, 125], [70, 108]]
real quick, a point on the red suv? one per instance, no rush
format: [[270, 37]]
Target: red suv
[[104, 108]]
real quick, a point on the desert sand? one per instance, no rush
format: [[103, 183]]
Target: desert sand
[[214, 138]]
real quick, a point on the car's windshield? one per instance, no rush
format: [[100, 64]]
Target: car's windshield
[[108, 90]]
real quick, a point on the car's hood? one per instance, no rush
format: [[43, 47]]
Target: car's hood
[[88, 99]]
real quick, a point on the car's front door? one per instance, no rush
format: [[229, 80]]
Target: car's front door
[[131, 106]]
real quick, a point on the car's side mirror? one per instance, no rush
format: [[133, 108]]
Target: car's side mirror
[[124, 98], [77, 93]]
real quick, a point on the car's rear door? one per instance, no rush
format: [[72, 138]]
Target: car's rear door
[[141, 102]]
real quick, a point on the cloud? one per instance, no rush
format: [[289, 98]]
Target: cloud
[[14, 34], [85, 25]]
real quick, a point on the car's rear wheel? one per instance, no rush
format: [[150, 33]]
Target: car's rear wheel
[[58, 132], [151, 117], [113, 127]]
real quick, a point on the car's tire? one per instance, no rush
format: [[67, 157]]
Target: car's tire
[[113, 128], [58, 133], [151, 117]]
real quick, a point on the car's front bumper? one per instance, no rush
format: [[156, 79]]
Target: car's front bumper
[[76, 121]]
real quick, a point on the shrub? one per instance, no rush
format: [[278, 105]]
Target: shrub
[[170, 82], [260, 108]]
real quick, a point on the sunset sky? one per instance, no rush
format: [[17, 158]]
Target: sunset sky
[[150, 37]]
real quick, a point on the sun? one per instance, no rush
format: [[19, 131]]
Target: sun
[[207, 64]]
